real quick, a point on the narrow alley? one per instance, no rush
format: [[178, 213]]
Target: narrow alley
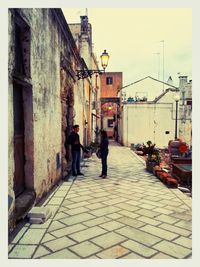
[[129, 215]]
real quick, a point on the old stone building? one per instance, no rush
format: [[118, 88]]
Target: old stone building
[[45, 100], [82, 33], [111, 84]]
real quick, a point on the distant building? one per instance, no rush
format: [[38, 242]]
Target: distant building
[[111, 84], [145, 89], [146, 115], [149, 113], [151, 120]]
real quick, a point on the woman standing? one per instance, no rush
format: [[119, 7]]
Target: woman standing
[[104, 153]]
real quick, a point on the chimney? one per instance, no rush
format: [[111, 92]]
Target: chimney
[[182, 82], [84, 24]]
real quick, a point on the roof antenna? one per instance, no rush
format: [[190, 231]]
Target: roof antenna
[[86, 12]]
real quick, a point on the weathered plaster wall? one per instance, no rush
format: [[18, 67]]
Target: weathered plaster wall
[[184, 122], [11, 195], [47, 115], [79, 104], [149, 121], [45, 66]]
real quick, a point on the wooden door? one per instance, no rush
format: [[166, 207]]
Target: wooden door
[[19, 158]]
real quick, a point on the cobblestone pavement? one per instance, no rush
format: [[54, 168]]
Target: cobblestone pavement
[[130, 215]]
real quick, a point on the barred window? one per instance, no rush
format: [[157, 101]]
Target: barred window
[[109, 80]]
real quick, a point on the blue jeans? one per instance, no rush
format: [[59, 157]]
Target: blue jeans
[[76, 162], [104, 155]]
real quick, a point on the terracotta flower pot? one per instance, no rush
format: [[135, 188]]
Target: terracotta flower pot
[[159, 173], [172, 182]]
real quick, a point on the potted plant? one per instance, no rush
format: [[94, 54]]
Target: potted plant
[[153, 157]]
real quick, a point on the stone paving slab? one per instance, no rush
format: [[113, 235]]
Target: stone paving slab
[[181, 231], [132, 256], [166, 219], [139, 248], [32, 236], [41, 251], [76, 211], [112, 225], [19, 235], [184, 224], [184, 241], [22, 252], [138, 235], [148, 220], [59, 243], [85, 249], [172, 249], [97, 221], [113, 253], [108, 240], [68, 230], [159, 232], [87, 234], [70, 220], [131, 222], [47, 237], [130, 215], [55, 225], [162, 256], [62, 254]]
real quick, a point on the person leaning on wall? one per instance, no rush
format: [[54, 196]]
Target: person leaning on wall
[[74, 141]]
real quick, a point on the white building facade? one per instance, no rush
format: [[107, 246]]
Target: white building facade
[[151, 120]]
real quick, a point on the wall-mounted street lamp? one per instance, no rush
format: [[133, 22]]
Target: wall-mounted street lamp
[[176, 98], [85, 73]]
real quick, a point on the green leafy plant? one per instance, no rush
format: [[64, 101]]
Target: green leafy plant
[[153, 156]]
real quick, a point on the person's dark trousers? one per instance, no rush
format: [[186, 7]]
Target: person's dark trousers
[[75, 162], [104, 156]]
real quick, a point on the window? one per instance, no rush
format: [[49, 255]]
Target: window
[[110, 123], [22, 47], [109, 80]]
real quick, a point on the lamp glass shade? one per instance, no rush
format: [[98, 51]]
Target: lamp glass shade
[[177, 97], [104, 59]]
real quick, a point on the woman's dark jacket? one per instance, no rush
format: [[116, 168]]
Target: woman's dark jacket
[[104, 145]]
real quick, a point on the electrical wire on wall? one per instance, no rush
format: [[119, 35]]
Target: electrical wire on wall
[[155, 125]]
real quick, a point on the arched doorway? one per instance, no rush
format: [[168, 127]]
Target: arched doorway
[[110, 117]]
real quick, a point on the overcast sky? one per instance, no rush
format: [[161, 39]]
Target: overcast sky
[[132, 37]]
